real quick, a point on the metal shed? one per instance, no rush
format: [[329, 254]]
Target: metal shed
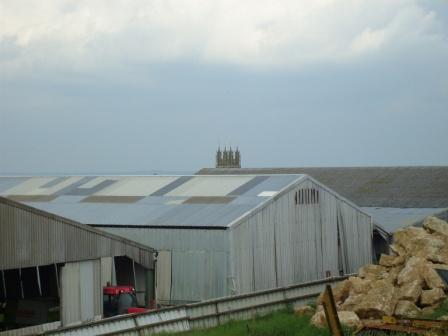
[[395, 197], [46, 260], [216, 235]]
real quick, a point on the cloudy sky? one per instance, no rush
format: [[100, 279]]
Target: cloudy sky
[[108, 86]]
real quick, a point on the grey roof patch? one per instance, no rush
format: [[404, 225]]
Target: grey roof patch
[[31, 198], [248, 185], [9, 182], [76, 191], [272, 184], [112, 199], [209, 200], [54, 182], [162, 200], [171, 186]]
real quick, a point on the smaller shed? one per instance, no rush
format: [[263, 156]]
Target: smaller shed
[[50, 264]]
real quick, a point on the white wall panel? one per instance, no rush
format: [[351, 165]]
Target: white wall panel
[[81, 291]]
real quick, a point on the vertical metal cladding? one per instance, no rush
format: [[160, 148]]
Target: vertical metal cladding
[[81, 291], [30, 237], [199, 260], [292, 239], [295, 239]]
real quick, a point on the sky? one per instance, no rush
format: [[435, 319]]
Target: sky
[[122, 87]]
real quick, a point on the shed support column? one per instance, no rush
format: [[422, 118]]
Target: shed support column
[[150, 289], [4, 284], [133, 272], [38, 280], [21, 284], [57, 279]]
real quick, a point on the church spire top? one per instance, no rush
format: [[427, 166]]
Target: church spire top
[[228, 158]]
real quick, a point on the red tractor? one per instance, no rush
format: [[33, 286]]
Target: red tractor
[[118, 300]]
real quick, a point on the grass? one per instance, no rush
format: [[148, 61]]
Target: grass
[[281, 323], [439, 311]]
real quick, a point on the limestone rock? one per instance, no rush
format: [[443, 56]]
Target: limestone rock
[[349, 319], [303, 310], [410, 291], [372, 272], [390, 261], [359, 286], [412, 271], [430, 248], [419, 243], [432, 278], [432, 296], [434, 224], [318, 319], [403, 237], [407, 309], [379, 301], [398, 250], [352, 302], [340, 292], [392, 275]]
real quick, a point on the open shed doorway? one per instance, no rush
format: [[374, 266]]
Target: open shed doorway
[[130, 273], [29, 296]]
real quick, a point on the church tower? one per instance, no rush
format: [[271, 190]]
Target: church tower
[[228, 158]]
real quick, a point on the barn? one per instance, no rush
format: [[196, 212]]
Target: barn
[[53, 269], [216, 235]]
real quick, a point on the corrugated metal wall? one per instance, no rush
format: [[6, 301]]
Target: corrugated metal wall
[[288, 243], [199, 260], [29, 238], [81, 295], [359, 234], [280, 244], [163, 274]]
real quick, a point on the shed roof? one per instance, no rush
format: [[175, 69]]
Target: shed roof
[[385, 187], [393, 219], [32, 237], [211, 202]]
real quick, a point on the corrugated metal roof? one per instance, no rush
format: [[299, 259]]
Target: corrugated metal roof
[[385, 187], [46, 238], [393, 219], [177, 201]]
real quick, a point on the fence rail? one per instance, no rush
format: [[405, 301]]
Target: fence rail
[[33, 330], [204, 314]]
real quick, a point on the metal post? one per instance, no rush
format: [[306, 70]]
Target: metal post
[[331, 313], [135, 278], [21, 283], [57, 279], [38, 280], [4, 283], [150, 288], [114, 273]]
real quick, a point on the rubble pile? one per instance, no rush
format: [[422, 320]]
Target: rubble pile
[[404, 284]]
